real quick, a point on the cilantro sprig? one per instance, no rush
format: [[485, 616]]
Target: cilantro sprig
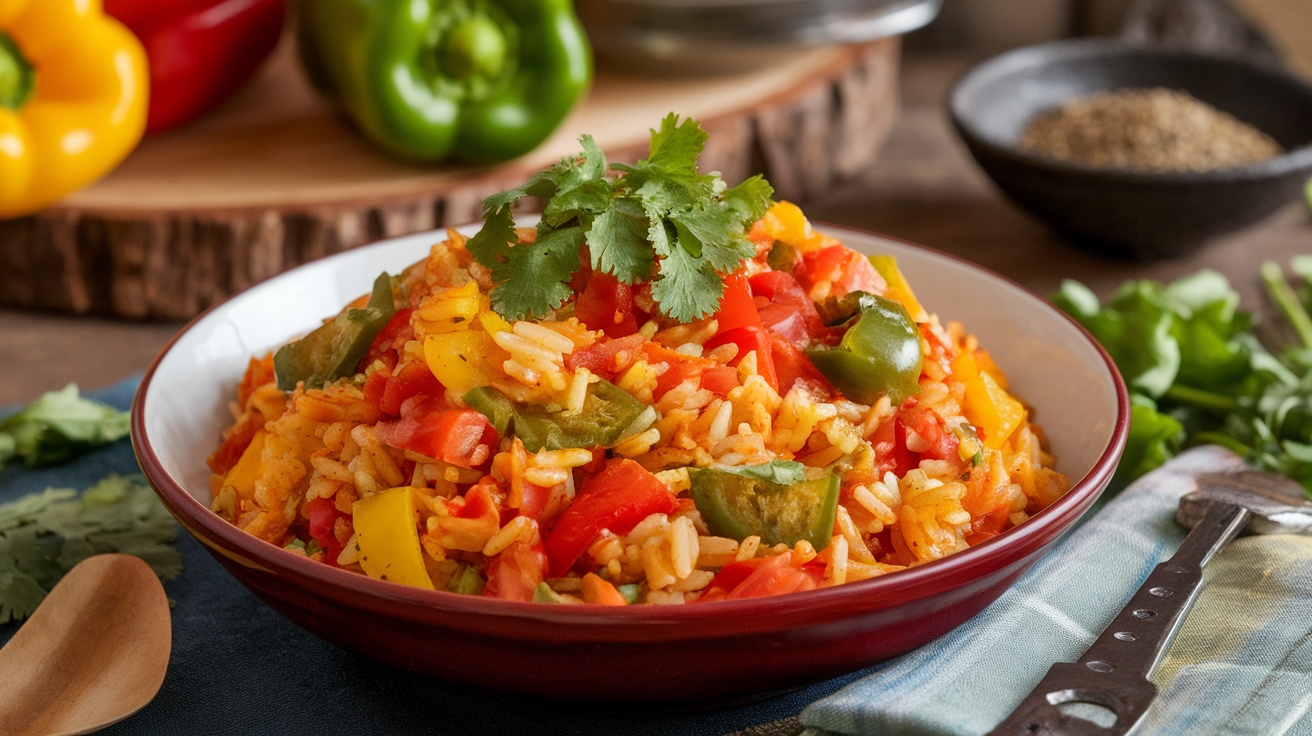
[[1198, 372], [658, 220], [58, 426], [43, 535]]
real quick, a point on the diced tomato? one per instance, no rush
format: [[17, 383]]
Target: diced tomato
[[414, 379], [719, 379], [607, 358], [785, 320], [606, 304], [461, 437], [891, 453], [792, 365], [235, 441], [943, 444], [533, 499], [837, 270], [748, 339], [514, 574], [617, 498], [737, 310], [782, 290], [761, 576], [987, 526], [390, 340], [323, 516], [258, 373]]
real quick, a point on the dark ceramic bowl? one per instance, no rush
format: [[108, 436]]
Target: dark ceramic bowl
[[708, 653], [1138, 213]]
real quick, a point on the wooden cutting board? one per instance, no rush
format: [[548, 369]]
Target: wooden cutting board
[[276, 177]]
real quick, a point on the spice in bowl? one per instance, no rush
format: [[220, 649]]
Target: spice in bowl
[[1156, 129]]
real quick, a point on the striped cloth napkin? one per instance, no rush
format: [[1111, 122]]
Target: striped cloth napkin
[[1241, 664]]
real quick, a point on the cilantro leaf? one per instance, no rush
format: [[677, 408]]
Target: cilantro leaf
[[535, 276], [617, 242], [58, 426], [43, 535], [658, 219]]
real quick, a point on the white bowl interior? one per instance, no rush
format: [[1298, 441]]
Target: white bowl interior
[[1050, 363]]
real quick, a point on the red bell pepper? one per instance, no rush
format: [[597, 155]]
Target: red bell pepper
[[750, 339], [617, 498], [199, 51], [736, 307], [323, 515]]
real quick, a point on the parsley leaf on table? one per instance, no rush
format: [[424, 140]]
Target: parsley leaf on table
[[43, 535], [657, 220], [58, 426]]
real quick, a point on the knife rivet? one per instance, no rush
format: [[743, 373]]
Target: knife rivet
[[1098, 665], [1143, 613], [1125, 636], [1161, 592]]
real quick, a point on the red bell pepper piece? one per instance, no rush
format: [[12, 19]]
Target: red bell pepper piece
[[607, 358], [199, 51], [617, 498], [736, 307], [792, 365]]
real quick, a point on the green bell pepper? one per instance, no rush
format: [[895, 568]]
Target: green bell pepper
[[334, 349], [738, 504], [607, 411], [879, 354], [481, 80]]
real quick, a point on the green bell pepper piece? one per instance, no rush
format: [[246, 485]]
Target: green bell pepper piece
[[334, 349], [481, 80], [879, 354], [607, 411], [737, 505]]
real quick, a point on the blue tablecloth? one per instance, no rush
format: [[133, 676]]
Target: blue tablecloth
[[237, 667]]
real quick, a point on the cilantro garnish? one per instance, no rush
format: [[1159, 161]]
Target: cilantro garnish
[[658, 220], [43, 535], [1198, 372], [58, 426]]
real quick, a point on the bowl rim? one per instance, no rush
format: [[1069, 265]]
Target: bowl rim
[[883, 592], [1292, 161]]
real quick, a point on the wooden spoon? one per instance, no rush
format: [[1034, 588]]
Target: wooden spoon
[[92, 654]]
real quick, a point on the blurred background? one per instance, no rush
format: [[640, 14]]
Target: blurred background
[[855, 130]]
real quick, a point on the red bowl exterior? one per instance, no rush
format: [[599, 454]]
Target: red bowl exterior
[[639, 656]]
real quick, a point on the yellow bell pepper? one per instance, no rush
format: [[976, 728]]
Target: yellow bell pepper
[[73, 94], [785, 222], [988, 406], [899, 290], [463, 359], [243, 475], [386, 529]]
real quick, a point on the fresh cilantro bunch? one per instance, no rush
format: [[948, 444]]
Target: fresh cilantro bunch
[[43, 535], [58, 426], [1198, 373], [658, 220]]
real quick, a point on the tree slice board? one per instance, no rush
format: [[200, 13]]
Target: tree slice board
[[276, 177]]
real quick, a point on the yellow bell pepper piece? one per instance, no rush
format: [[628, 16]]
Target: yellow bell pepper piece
[[489, 319], [243, 475], [73, 92], [785, 222], [462, 359], [386, 531], [899, 290], [988, 406]]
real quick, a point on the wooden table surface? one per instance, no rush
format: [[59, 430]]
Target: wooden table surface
[[924, 188]]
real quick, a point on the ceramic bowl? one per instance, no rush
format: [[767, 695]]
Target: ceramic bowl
[[643, 655], [1138, 213]]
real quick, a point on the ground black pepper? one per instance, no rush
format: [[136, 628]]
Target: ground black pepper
[[1158, 129]]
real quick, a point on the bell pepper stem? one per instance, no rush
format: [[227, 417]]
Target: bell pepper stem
[[472, 49], [17, 76]]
